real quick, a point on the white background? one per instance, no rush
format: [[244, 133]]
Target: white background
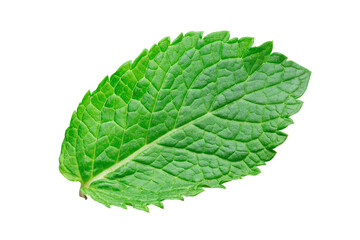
[[52, 52]]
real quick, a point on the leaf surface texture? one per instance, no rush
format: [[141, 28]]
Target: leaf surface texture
[[192, 113]]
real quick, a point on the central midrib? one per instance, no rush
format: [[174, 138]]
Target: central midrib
[[139, 151]]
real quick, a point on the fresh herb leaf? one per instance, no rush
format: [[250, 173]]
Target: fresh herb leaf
[[194, 113]]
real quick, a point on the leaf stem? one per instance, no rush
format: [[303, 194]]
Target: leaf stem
[[81, 194]]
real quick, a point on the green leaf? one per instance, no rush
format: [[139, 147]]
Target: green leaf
[[194, 113]]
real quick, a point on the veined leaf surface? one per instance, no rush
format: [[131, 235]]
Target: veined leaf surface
[[196, 112]]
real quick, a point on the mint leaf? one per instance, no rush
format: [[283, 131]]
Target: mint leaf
[[194, 113]]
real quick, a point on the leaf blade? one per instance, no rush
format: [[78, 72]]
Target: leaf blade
[[185, 115]]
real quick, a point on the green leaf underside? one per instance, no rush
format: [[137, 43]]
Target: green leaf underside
[[193, 113]]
